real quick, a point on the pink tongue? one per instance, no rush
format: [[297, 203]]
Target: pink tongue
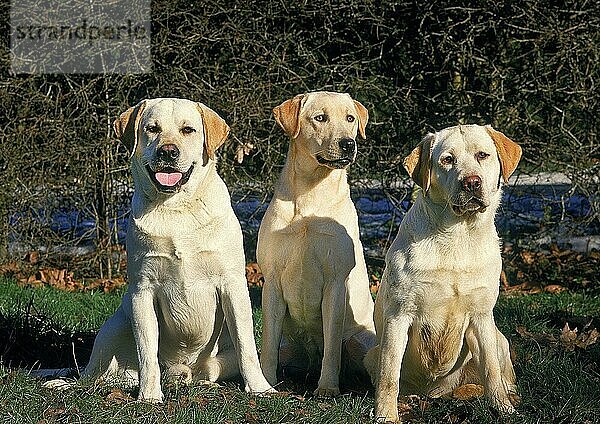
[[168, 179]]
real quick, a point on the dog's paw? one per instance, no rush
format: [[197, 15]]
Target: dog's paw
[[59, 384], [207, 383], [260, 388], [209, 369], [505, 408], [386, 420], [327, 391], [386, 410], [386, 416], [178, 374], [515, 399], [150, 396]]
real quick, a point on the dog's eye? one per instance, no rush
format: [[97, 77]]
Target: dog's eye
[[321, 118], [153, 128], [350, 118], [188, 130], [447, 160], [482, 155]]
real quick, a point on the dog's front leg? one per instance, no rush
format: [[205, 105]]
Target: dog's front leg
[[333, 310], [145, 332], [392, 347], [274, 308], [484, 330], [238, 315]]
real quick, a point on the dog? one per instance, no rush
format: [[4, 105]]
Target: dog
[[316, 290], [434, 310], [187, 309]]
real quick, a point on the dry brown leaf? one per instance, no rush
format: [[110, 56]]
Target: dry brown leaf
[[404, 408], [32, 257], [374, 284], [324, 406], [568, 337], [504, 280], [587, 338], [251, 417], [118, 396], [528, 257], [554, 288], [468, 392], [254, 276], [571, 339], [539, 337]]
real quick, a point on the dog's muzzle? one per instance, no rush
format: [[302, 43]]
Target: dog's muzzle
[[168, 179], [166, 176], [342, 156], [470, 199], [466, 204]]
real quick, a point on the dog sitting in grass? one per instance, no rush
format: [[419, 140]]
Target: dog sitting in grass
[[317, 306], [186, 314], [434, 310]]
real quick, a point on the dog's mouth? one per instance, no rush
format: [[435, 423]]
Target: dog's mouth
[[169, 180], [334, 163], [469, 207]]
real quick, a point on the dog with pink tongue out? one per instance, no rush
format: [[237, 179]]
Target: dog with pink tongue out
[[186, 314]]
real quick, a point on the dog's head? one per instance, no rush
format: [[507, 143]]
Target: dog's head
[[461, 166], [324, 125], [171, 141]]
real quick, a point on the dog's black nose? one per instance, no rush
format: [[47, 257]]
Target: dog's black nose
[[347, 145], [472, 183], [168, 152]]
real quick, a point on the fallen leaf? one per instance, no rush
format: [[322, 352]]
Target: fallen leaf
[[528, 257], [324, 406], [468, 392], [588, 338], [254, 276], [570, 339], [539, 337], [554, 288], [251, 417], [32, 257], [118, 396], [403, 408], [504, 280]]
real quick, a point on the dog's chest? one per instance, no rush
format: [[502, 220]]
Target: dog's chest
[[184, 272], [189, 312]]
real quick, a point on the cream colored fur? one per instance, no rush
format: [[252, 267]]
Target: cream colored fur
[[187, 309], [316, 292], [434, 310]]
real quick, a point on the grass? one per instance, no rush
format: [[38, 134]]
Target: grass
[[556, 385]]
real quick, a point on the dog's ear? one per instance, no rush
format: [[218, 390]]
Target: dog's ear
[[215, 129], [509, 152], [418, 162], [126, 126], [287, 115], [363, 118]]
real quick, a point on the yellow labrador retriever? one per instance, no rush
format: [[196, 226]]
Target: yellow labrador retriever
[[433, 312], [187, 309], [316, 292]]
